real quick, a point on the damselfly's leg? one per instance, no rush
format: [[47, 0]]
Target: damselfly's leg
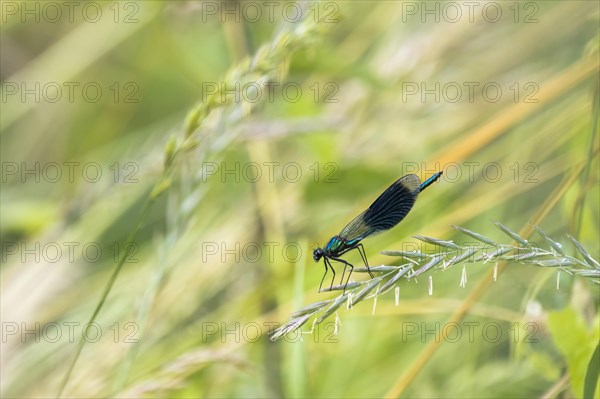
[[332, 270], [363, 255], [326, 263], [349, 274], [323, 279], [343, 274], [341, 253]]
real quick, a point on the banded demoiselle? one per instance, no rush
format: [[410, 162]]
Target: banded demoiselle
[[384, 213]]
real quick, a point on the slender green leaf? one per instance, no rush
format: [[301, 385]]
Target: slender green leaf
[[592, 374]]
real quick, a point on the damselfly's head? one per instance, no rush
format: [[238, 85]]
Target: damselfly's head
[[318, 254]]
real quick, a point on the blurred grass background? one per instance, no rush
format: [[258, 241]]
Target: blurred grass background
[[175, 295]]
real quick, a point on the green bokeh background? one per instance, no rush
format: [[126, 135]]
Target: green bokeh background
[[200, 319]]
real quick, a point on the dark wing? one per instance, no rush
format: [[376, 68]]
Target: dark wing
[[387, 211]]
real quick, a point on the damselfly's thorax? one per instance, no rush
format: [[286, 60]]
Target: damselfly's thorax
[[335, 245]]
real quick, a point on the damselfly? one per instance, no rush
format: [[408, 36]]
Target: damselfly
[[387, 211]]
